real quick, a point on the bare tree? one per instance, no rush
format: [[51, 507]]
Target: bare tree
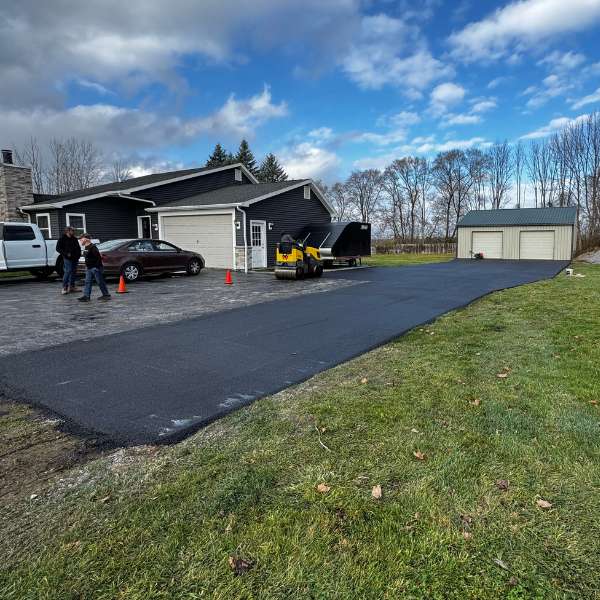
[[477, 163], [340, 200], [31, 156], [500, 170], [120, 170], [73, 165], [519, 165], [364, 190]]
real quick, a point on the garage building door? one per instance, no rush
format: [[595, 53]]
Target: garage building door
[[488, 242], [210, 235], [537, 245]]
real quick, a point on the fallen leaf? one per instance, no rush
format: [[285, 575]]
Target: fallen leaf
[[240, 565], [502, 375], [419, 455], [413, 430], [376, 492], [501, 564], [104, 500], [475, 402], [543, 503], [467, 535], [432, 333], [477, 353], [323, 488], [513, 581], [594, 402], [33, 496], [502, 484], [364, 380]]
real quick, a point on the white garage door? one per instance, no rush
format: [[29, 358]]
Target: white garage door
[[489, 243], [210, 235], [537, 245]]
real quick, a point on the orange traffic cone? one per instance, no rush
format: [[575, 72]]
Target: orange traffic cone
[[228, 280], [122, 289]]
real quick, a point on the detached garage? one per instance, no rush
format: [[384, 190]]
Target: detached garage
[[519, 233]]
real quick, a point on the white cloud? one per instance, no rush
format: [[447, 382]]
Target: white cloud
[[460, 119], [563, 61], [592, 98], [444, 96], [552, 127], [306, 160], [129, 45], [483, 105], [321, 134], [552, 86], [522, 24], [130, 129], [401, 119], [496, 82], [429, 147], [387, 51]]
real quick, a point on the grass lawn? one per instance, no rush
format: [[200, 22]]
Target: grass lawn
[[14, 274], [482, 429], [397, 260]]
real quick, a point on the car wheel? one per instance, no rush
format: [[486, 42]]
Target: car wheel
[[131, 271], [194, 267], [41, 274]]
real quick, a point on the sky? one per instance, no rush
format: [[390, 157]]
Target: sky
[[329, 86]]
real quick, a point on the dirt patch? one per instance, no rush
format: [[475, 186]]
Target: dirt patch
[[35, 449]]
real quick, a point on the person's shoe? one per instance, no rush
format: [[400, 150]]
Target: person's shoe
[[65, 291], [107, 297], [83, 299]]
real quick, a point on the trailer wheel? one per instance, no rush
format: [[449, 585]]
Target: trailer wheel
[[319, 271], [352, 262]]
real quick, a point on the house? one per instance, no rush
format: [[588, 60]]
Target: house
[[222, 212], [519, 233]]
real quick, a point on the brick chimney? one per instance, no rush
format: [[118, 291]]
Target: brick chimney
[[16, 188]]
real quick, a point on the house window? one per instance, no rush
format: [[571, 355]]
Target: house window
[[307, 192], [238, 174], [77, 222], [42, 220]]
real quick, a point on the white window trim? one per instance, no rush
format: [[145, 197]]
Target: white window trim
[[307, 192], [47, 215], [238, 175], [139, 224], [69, 215]]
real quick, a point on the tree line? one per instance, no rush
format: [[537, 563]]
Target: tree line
[[66, 165], [416, 198]]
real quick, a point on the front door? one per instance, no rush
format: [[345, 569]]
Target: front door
[[258, 236], [144, 227]]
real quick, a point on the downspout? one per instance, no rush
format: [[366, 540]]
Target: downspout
[[245, 239]]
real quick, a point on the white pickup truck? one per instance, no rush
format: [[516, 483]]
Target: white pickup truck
[[23, 248]]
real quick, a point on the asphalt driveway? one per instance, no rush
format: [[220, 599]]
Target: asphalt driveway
[[161, 383]]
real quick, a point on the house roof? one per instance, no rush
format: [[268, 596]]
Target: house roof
[[130, 186], [239, 195], [564, 215]]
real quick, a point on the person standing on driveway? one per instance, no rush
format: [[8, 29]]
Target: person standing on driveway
[[70, 250], [94, 269]]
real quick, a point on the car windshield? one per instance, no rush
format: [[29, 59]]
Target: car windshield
[[111, 244]]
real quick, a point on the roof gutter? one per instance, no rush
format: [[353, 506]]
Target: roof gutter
[[167, 208]]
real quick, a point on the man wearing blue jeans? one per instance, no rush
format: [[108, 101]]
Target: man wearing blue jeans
[[94, 269], [70, 250]]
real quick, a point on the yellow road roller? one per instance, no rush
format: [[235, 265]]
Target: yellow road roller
[[294, 260]]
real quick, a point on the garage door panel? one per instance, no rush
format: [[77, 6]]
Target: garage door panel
[[210, 235], [537, 245], [489, 243]]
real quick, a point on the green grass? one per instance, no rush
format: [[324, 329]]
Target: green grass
[[14, 274], [398, 260], [162, 525]]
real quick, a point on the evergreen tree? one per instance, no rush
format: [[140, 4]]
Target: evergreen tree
[[230, 159], [245, 156], [270, 170], [218, 158]]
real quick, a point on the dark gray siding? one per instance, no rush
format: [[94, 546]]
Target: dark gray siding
[[289, 212], [106, 218], [190, 187]]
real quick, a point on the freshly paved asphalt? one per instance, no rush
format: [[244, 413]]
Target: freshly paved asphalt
[[161, 383]]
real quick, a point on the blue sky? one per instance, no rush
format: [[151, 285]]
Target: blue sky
[[328, 86]]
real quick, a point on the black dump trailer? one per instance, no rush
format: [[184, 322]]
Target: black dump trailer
[[339, 242]]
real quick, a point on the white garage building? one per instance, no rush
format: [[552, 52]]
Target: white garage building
[[519, 233]]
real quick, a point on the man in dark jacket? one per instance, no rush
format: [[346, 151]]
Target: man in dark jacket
[[94, 269], [70, 250]]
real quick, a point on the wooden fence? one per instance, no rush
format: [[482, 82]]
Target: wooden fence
[[416, 248]]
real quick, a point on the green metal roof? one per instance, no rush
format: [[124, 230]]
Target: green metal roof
[[507, 217]]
